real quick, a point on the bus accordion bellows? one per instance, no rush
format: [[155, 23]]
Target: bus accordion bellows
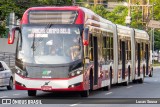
[[73, 49]]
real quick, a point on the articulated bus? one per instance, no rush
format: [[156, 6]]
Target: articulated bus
[[73, 49]]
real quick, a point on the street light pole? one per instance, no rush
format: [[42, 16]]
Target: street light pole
[[128, 18], [153, 31], [129, 8]]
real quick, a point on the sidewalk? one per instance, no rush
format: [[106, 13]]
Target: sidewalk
[[156, 67]]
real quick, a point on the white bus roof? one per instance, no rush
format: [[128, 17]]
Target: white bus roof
[[95, 21], [140, 34], [124, 30]]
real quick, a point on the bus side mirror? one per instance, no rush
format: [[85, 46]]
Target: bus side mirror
[[11, 35], [85, 36]]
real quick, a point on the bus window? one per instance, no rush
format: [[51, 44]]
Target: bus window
[[120, 52], [128, 50], [111, 48], [105, 48], [91, 47]]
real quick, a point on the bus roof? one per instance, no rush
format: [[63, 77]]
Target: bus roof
[[48, 15], [55, 8], [85, 16], [124, 30], [141, 34], [96, 22]]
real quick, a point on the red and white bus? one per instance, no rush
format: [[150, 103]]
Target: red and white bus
[[74, 49]]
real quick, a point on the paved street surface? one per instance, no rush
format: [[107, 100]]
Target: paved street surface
[[149, 89]]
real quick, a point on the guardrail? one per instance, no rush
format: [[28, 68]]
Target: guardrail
[[8, 58]]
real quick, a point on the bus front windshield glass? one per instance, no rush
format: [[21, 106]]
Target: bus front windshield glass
[[53, 45]]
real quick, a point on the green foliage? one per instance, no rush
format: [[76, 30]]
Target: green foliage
[[157, 40], [19, 6], [100, 10], [119, 14], [156, 9], [6, 6], [156, 16]]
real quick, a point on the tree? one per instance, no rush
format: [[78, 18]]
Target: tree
[[118, 15], [6, 6], [156, 16], [19, 6]]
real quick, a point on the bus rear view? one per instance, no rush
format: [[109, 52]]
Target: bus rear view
[[49, 53]]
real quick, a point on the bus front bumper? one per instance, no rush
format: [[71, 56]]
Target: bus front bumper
[[44, 84]]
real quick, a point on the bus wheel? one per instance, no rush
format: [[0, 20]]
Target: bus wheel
[[85, 93], [151, 73], [134, 81], [141, 80], [32, 92]]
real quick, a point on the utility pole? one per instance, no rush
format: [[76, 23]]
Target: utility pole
[[73, 2], [128, 18], [152, 32], [95, 2]]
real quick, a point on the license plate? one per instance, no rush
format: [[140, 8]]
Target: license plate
[[46, 87]]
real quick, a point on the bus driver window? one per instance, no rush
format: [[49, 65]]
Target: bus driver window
[[75, 52], [75, 49]]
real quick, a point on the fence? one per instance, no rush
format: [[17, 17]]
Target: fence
[[8, 58]]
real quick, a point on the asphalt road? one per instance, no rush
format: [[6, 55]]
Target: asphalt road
[[149, 89]]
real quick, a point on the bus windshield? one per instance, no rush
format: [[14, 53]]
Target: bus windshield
[[52, 45]]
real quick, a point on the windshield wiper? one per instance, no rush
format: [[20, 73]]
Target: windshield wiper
[[48, 26], [33, 44]]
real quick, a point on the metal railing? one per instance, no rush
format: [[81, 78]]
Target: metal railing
[[8, 58]]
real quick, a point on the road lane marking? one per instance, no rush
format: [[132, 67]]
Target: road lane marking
[[73, 105], [4, 97], [108, 93], [129, 87], [16, 94]]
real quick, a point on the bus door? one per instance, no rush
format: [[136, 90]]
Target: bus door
[[139, 58], [147, 58], [123, 59], [95, 59]]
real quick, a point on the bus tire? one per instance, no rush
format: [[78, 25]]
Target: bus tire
[[141, 80], [85, 93], [32, 92], [134, 81], [151, 73]]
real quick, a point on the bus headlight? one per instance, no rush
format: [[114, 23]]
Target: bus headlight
[[75, 73], [21, 72]]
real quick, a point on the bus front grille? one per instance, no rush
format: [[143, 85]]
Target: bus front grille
[[42, 72]]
